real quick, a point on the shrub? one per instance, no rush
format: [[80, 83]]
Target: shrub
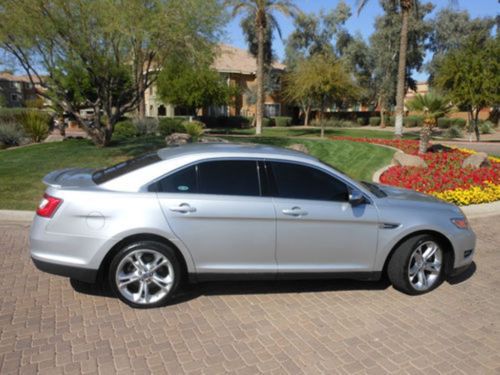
[[9, 115], [268, 122], [36, 125], [145, 126], [374, 121], [168, 125], [332, 123], [459, 122], [453, 132], [444, 122], [362, 121], [125, 129], [194, 129], [486, 128], [413, 121], [283, 121], [11, 134]]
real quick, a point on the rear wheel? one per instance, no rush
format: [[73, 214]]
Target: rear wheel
[[145, 274], [417, 265]]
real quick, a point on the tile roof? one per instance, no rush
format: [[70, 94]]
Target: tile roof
[[231, 59], [5, 76]]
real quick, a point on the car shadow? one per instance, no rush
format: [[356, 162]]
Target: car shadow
[[190, 291], [465, 275]]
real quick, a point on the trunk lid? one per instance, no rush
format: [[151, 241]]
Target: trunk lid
[[70, 177]]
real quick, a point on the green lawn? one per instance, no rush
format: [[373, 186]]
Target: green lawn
[[312, 132], [22, 169]]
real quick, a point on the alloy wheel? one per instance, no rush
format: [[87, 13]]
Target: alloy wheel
[[425, 265]]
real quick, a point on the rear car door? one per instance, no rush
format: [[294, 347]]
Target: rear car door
[[318, 230], [216, 209]]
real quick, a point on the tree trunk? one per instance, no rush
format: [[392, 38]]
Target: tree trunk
[[382, 111], [307, 112], [476, 125], [425, 135], [260, 79], [400, 92]]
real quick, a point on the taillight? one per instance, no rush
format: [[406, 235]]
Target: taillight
[[48, 206]]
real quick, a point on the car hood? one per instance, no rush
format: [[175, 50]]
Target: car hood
[[408, 195]]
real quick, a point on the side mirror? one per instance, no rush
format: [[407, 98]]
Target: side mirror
[[356, 198]]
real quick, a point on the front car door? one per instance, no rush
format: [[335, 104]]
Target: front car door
[[217, 210], [318, 230]]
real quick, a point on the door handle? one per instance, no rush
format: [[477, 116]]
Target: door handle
[[183, 208], [294, 211]]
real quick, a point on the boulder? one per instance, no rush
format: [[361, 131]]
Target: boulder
[[476, 161], [176, 139], [299, 147], [405, 160], [213, 140]]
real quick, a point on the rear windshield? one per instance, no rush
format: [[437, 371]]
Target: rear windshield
[[104, 175]]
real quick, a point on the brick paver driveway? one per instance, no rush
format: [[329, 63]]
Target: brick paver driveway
[[283, 327]]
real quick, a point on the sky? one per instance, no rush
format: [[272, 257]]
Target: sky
[[362, 23]]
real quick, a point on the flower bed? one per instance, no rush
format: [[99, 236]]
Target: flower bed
[[444, 178]]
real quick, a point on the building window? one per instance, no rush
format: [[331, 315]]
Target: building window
[[217, 110], [271, 110], [15, 97], [162, 111]]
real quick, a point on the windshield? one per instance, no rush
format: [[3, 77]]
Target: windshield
[[374, 189], [104, 175]]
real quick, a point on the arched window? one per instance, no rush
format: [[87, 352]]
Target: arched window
[[162, 111]]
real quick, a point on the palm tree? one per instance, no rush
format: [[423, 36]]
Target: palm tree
[[432, 106], [262, 11], [406, 6]]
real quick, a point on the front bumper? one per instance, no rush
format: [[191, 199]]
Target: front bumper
[[77, 273]]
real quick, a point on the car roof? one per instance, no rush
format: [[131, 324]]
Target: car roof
[[236, 149]]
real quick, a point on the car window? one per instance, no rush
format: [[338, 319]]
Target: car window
[[302, 182], [228, 177], [183, 181]]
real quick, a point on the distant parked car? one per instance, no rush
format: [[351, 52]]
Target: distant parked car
[[225, 211]]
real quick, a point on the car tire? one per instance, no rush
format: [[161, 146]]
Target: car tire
[[145, 274], [417, 265]]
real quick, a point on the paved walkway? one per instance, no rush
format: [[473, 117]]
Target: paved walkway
[[49, 326]]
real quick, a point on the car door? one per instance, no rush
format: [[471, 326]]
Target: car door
[[318, 230], [216, 209]]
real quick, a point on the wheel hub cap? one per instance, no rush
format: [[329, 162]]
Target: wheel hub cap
[[425, 264]]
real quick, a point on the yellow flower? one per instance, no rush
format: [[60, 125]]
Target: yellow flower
[[489, 192]]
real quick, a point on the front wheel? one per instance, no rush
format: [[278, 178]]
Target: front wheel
[[417, 266], [144, 274]]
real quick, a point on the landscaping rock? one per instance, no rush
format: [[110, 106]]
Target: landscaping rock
[[405, 160], [476, 161], [213, 140], [176, 139], [299, 147]]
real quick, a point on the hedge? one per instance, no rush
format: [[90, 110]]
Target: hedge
[[374, 121], [282, 120]]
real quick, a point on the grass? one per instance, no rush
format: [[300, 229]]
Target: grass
[[312, 132], [22, 169]]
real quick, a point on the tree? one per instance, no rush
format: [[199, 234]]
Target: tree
[[450, 28], [405, 8], [323, 79], [470, 76], [432, 106], [384, 47], [104, 54], [262, 11], [192, 86]]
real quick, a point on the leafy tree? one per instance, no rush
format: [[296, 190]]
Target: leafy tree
[[323, 79], [193, 87], [450, 28], [470, 76], [405, 8], [104, 54], [385, 45], [262, 11], [432, 106]]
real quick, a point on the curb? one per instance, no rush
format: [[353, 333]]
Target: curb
[[16, 217]]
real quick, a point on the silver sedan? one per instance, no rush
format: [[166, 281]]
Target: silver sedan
[[222, 211]]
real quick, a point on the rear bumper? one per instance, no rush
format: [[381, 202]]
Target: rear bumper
[[78, 273]]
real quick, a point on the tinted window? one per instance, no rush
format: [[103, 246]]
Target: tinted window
[[183, 181], [228, 177], [103, 175], [301, 182]]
